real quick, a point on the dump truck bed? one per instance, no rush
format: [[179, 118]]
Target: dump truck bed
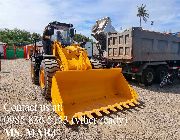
[[137, 44]]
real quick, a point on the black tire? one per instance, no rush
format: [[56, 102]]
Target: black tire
[[34, 72], [50, 66], [161, 71], [148, 76], [178, 74], [128, 77]]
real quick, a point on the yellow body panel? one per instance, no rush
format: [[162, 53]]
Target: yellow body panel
[[71, 57], [42, 81]]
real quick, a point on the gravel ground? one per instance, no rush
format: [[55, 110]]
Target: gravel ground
[[157, 117]]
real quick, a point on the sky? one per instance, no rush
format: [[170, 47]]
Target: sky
[[34, 15]]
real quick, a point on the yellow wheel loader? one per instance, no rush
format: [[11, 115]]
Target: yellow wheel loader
[[66, 76]]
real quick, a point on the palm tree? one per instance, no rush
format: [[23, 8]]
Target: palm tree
[[142, 13]]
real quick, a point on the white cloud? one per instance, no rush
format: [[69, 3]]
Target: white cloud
[[33, 15]]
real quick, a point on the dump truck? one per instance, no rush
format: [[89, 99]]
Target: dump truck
[[142, 54], [67, 78]]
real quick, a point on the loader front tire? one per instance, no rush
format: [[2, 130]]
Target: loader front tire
[[34, 72], [47, 70]]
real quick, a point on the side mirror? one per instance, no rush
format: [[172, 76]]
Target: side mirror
[[72, 33]]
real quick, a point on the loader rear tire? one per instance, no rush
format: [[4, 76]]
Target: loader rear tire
[[47, 70], [34, 72]]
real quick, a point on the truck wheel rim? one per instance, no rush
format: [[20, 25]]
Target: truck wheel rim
[[149, 77], [42, 85]]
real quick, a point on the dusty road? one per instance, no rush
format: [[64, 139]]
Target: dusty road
[[157, 117]]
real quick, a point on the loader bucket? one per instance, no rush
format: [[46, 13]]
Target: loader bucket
[[82, 93]]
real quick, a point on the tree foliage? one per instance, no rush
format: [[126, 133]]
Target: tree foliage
[[80, 38], [142, 14], [17, 37], [21, 37]]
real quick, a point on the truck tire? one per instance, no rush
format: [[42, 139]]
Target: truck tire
[[47, 70], [161, 71], [178, 73], [34, 72], [148, 76], [128, 77]]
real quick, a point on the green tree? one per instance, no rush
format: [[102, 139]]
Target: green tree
[[17, 36], [79, 38], [36, 36], [142, 14]]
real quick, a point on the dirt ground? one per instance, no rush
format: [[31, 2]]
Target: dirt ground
[[157, 116]]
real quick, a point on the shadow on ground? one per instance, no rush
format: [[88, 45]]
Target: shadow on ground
[[173, 89]]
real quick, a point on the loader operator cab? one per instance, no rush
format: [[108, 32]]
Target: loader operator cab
[[61, 32]]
